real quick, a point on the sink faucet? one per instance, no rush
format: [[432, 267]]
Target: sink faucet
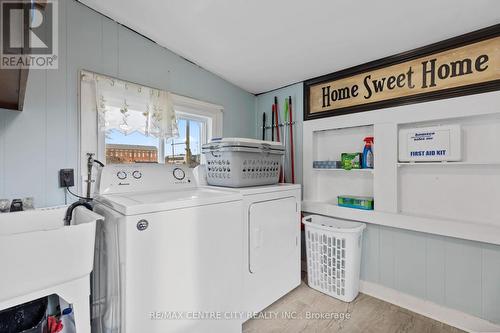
[[85, 201], [90, 164], [69, 211]]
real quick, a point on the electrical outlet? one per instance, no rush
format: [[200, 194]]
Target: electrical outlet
[[66, 177]]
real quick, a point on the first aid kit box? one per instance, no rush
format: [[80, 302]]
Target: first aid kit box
[[431, 144]]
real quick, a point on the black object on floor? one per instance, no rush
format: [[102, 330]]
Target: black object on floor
[[16, 206], [29, 317]]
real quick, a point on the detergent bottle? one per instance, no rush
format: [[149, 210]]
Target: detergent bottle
[[368, 153]]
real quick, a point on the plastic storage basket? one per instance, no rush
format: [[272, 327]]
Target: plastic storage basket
[[333, 255], [238, 162]]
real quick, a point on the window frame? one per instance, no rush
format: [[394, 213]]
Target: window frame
[[203, 110], [193, 109]]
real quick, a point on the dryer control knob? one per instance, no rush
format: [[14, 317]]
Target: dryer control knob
[[137, 174]]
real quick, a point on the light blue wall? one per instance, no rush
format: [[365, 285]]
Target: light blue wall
[[458, 274], [36, 143], [264, 103]]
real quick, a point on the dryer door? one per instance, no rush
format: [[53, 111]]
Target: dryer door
[[273, 229]]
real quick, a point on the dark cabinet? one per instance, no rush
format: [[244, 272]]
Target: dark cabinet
[[13, 88], [13, 80]]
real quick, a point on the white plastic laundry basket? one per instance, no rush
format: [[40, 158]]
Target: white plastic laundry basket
[[333, 255], [240, 162]]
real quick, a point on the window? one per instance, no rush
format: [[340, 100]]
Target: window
[[137, 147], [128, 130]]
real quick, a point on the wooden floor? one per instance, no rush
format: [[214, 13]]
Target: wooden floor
[[367, 315]]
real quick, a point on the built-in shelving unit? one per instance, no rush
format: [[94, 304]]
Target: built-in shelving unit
[[329, 146], [456, 199]]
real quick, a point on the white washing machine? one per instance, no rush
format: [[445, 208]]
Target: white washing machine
[[178, 249]]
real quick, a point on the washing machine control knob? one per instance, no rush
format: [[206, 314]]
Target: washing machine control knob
[[121, 175], [179, 174], [137, 174]]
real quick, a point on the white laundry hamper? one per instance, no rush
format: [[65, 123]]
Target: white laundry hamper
[[333, 255], [241, 162]]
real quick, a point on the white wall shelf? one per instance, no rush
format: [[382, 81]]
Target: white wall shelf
[[446, 227], [405, 164], [369, 171]]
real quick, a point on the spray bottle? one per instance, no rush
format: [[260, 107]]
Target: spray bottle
[[368, 153]]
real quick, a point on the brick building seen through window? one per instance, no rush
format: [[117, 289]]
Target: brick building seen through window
[[121, 153], [136, 147]]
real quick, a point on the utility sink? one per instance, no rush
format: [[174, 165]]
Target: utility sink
[[38, 252]]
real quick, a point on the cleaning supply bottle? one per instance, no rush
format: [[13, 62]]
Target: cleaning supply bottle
[[68, 321], [368, 153], [67, 317]]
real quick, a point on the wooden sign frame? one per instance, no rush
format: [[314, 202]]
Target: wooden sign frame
[[429, 50]]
